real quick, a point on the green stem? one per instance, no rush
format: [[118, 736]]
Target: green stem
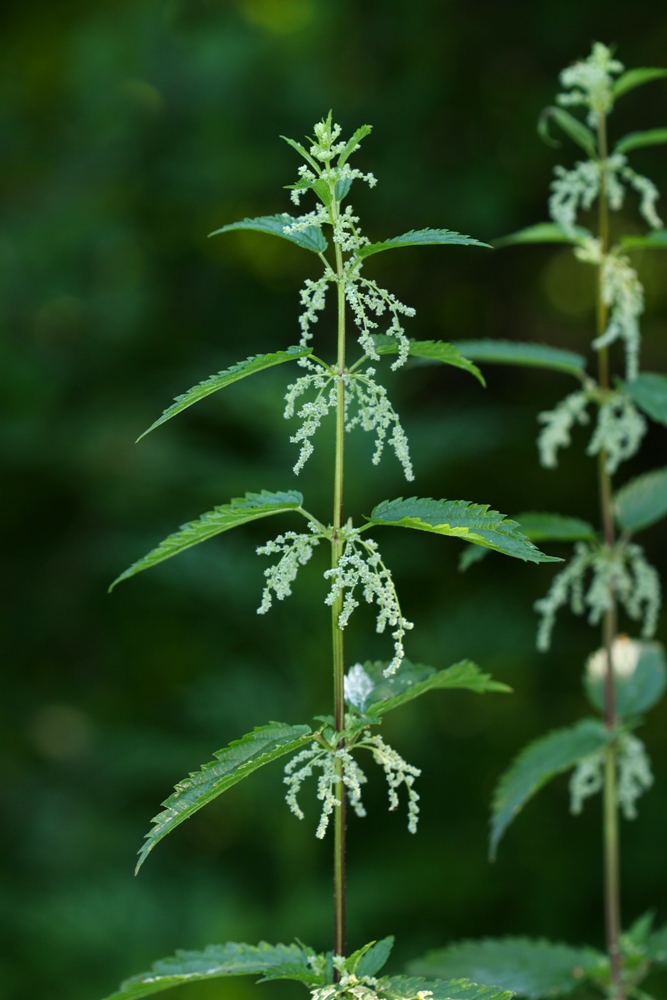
[[337, 634], [612, 893]]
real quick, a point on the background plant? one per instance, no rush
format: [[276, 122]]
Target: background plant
[[608, 574]]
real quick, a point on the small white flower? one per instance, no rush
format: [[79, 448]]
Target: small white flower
[[590, 82], [558, 424], [633, 779]]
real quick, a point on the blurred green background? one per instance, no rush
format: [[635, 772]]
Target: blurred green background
[[128, 131]]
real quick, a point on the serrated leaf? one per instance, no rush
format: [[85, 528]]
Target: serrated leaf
[[649, 392], [375, 957], [511, 352], [537, 764], [657, 946], [643, 501], [302, 152], [544, 232], [353, 142], [637, 692], [460, 519], [431, 350], [635, 78], [218, 960], [531, 969], [572, 127], [241, 510], [541, 527], [655, 240], [409, 987], [421, 237], [234, 373], [233, 763], [311, 238], [635, 140], [414, 679]]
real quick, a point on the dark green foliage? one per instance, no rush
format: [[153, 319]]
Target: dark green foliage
[[640, 690], [544, 232], [408, 987], [643, 501], [421, 237], [311, 238], [649, 391], [656, 240], [541, 527], [373, 958], [510, 352], [636, 140], [572, 127], [636, 78], [431, 350]]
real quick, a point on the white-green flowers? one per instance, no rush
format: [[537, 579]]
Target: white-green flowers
[[294, 550], [634, 776], [590, 82]]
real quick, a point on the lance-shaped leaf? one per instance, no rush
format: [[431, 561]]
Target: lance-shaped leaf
[[414, 679], [229, 515], [649, 392], [217, 960], [373, 958], [460, 519], [541, 527], [413, 987], [531, 969], [512, 352], [233, 763], [635, 140], [576, 130], [537, 764], [635, 692], [544, 232], [642, 501], [421, 237], [353, 142], [655, 240], [430, 350], [635, 78], [241, 369], [311, 238]]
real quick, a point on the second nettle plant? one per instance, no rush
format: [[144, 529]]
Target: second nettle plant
[[608, 573], [334, 747]]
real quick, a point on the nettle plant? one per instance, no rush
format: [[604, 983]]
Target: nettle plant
[[608, 572], [332, 748]]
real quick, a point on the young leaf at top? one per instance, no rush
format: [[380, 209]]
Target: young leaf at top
[[537, 764], [460, 519], [222, 518], [421, 237], [544, 232], [311, 238], [635, 78], [412, 987], [374, 957], [635, 140], [217, 960], [637, 691], [576, 130], [233, 763], [430, 350], [649, 392], [540, 527], [655, 240], [353, 142], [241, 369], [642, 501], [511, 352], [531, 969]]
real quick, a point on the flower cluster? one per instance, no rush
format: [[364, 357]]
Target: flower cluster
[[361, 566], [634, 776], [620, 573], [312, 412], [590, 82], [623, 294], [295, 550], [558, 424], [375, 413]]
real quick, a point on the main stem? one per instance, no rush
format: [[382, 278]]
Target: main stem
[[337, 634], [612, 892]]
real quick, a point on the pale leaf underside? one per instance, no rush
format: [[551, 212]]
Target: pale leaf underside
[[643, 501], [311, 238], [420, 237], [537, 763], [534, 969], [649, 392], [234, 373], [430, 350], [544, 232], [235, 762], [240, 511], [412, 680], [460, 519], [511, 352]]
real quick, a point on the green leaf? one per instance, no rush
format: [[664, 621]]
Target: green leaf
[[222, 518], [649, 392], [540, 527], [408, 987], [414, 679], [431, 350], [471, 554], [374, 958], [302, 152], [655, 240], [352, 143], [637, 692], [512, 352], [420, 237], [311, 238], [544, 232], [657, 946], [241, 369], [320, 187], [233, 763], [537, 764], [460, 519], [635, 140], [576, 130], [268, 961], [635, 78], [643, 501], [532, 969]]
